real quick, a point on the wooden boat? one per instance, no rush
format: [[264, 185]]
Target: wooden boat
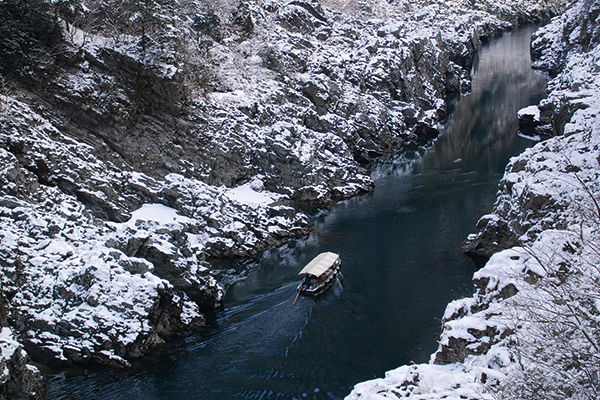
[[319, 274]]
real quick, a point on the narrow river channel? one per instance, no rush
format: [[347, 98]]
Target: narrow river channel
[[400, 260]]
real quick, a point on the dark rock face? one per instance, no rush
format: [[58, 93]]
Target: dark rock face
[[296, 18], [288, 100], [457, 349], [495, 235], [19, 380]]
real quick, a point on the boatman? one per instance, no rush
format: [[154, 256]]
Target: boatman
[[307, 281]]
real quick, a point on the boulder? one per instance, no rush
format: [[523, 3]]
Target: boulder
[[19, 380]]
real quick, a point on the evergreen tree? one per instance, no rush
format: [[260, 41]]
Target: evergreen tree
[[25, 25], [27, 20]]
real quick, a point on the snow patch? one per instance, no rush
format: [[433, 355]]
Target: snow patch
[[253, 194], [533, 111], [156, 212]]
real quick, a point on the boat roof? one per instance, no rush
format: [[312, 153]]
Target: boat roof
[[320, 264]]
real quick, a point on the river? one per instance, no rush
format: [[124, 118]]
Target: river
[[400, 260]]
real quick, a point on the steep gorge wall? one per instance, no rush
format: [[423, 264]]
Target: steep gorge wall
[[288, 100], [530, 328]]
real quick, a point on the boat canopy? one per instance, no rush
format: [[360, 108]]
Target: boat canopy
[[320, 264]]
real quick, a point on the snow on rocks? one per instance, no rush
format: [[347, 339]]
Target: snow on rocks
[[129, 162], [253, 193], [532, 111], [70, 296], [18, 380], [362, 81], [425, 381], [84, 290], [535, 122], [530, 328], [315, 92], [237, 225]]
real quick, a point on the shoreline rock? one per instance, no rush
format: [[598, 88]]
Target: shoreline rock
[[511, 339], [19, 379], [123, 153]]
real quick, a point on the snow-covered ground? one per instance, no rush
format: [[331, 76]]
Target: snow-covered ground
[[127, 162], [531, 328]]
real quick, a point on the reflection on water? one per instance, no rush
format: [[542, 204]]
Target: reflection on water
[[477, 139], [478, 134], [400, 263]]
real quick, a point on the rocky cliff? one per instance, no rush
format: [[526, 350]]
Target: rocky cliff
[[140, 141], [530, 330]]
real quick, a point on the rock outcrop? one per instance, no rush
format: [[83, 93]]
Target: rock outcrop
[[133, 152], [19, 379], [530, 328]]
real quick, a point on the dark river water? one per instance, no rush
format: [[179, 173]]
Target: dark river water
[[401, 265]]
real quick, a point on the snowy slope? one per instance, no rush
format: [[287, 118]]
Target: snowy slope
[[129, 158], [530, 329]]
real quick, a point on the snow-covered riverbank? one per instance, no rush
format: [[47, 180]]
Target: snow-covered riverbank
[[211, 121], [530, 329]]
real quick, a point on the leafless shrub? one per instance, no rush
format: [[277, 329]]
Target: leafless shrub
[[557, 344]]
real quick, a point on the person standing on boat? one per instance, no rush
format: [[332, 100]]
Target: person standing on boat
[[307, 281]]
